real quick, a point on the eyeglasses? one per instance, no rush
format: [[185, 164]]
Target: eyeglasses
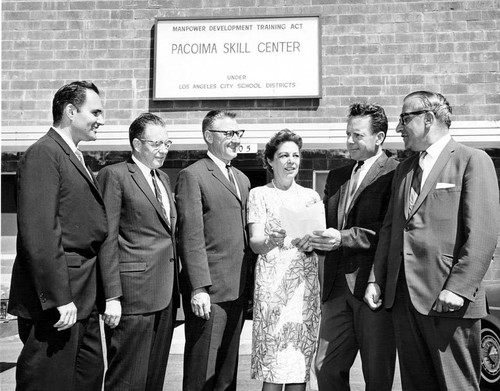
[[229, 133], [405, 119], [157, 144]]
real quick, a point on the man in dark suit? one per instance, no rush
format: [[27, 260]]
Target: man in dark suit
[[61, 225], [211, 200], [356, 199], [138, 260], [435, 247]]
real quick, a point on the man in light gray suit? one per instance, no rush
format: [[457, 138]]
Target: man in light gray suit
[[435, 246], [139, 261], [211, 200]]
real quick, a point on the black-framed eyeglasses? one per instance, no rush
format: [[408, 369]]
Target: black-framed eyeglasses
[[229, 133], [404, 118], [157, 144]]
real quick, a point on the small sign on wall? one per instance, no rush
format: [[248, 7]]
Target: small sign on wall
[[237, 58]]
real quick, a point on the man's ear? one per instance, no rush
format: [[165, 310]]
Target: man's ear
[[209, 137], [70, 111], [136, 143], [429, 118], [380, 138]]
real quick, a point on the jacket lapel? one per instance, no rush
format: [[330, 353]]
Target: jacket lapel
[[343, 193], [143, 184], [370, 176], [72, 157], [432, 178], [173, 212], [217, 173]]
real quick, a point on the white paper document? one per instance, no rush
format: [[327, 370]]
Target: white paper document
[[298, 222]]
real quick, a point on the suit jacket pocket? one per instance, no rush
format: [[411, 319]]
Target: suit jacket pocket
[[73, 260], [132, 267], [447, 260]]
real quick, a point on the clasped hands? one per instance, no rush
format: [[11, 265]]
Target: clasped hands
[[327, 240]]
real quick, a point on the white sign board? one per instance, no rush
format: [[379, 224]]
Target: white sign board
[[235, 58]]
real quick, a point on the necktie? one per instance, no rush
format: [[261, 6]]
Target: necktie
[[351, 277], [79, 155], [230, 176], [158, 194], [416, 182], [353, 185]]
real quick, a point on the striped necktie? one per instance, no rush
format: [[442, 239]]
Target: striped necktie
[[416, 182], [158, 194]]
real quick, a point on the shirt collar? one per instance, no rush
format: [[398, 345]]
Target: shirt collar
[[435, 149], [217, 161], [369, 162], [66, 139], [144, 169]]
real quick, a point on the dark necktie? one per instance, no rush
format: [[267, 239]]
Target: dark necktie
[[355, 180], [416, 182], [158, 194], [230, 176]]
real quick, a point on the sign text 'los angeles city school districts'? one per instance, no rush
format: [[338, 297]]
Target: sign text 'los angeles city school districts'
[[275, 57]]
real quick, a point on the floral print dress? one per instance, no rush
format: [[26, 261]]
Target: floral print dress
[[287, 295]]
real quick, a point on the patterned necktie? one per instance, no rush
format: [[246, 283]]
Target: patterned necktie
[[416, 182], [230, 176], [158, 194]]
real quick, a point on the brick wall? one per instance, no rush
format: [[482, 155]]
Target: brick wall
[[377, 50]]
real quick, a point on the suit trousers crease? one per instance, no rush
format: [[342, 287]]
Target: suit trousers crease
[[45, 349], [211, 350], [435, 353], [138, 350], [348, 326]]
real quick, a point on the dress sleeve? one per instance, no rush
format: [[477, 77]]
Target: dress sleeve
[[256, 207]]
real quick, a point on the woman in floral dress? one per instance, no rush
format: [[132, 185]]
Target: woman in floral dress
[[286, 300]]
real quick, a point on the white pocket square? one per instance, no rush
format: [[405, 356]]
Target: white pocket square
[[444, 185]]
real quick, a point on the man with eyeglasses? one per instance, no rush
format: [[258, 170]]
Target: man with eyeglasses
[[435, 247], [211, 198], [139, 263]]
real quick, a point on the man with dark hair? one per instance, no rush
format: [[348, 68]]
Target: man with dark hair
[[211, 200], [356, 199], [138, 260], [435, 247], [61, 225]]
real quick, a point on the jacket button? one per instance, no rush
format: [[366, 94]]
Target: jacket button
[[172, 259]]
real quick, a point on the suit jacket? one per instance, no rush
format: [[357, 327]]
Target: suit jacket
[[363, 221], [138, 259], [448, 239], [61, 225], [213, 231]]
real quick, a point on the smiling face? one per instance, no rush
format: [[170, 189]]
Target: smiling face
[[226, 149], [152, 157], [285, 163], [86, 120], [361, 142]]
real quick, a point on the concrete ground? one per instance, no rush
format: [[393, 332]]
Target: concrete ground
[[10, 346]]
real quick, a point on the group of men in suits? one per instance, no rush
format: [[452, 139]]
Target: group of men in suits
[[420, 235], [116, 237]]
